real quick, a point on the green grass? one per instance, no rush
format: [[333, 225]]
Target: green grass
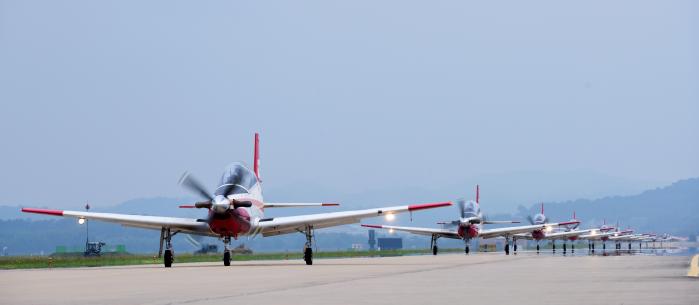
[[29, 262]]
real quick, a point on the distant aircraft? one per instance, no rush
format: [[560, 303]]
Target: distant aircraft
[[602, 233], [569, 232], [236, 209], [470, 225]]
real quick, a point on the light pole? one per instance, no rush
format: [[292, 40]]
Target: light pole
[[87, 228]]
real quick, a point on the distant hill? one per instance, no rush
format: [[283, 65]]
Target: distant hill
[[673, 209]]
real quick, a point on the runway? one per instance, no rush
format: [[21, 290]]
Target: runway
[[482, 278]]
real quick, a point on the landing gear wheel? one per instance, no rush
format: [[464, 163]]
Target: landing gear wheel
[[168, 258], [467, 249], [308, 256], [514, 247], [434, 250], [507, 249], [227, 258], [537, 248]]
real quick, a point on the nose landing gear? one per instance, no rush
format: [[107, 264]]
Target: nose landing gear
[[226, 251]]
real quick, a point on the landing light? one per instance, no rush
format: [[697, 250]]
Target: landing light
[[390, 231], [390, 217], [81, 220], [549, 229]]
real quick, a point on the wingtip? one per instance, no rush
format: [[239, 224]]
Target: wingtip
[[373, 226], [414, 207], [43, 211], [330, 204]]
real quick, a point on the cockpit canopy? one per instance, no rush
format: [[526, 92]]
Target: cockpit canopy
[[236, 179], [470, 209]]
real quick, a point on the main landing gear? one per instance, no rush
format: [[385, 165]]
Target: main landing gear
[[433, 244], [226, 251], [553, 245], [308, 247], [537, 247], [514, 245], [507, 245], [565, 244], [169, 255]]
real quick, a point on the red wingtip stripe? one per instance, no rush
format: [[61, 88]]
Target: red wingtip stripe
[[415, 207], [330, 204], [43, 211], [187, 207], [373, 226]]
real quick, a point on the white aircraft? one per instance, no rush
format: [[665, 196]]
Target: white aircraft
[[603, 234], [569, 232], [470, 225], [236, 209]]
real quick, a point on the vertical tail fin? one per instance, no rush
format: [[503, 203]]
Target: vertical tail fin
[[574, 214], [256, 164], [542, 208], [478, 193]]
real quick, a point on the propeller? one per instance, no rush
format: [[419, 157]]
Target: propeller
[[462, 206], [189, 182], [193, 185]]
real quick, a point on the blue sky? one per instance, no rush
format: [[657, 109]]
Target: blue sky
[[112, 100]]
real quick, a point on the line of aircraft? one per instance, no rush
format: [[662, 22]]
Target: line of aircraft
[[471, 223], [236, 208]]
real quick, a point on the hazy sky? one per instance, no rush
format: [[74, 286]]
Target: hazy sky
[[111, 100]]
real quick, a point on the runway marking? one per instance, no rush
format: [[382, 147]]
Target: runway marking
[[694, 267]]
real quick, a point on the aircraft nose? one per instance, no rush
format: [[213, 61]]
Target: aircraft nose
[[220, 204]]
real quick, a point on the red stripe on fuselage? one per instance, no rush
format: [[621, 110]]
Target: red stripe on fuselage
[[43, 211]]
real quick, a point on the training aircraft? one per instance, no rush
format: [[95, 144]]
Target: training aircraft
[[569, 232], [603, 233], [236, 209], [470, 225]]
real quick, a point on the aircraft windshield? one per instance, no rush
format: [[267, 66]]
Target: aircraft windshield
[[236, 179]]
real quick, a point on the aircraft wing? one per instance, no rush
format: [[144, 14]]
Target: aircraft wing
[[291, 224], [490, 233], [420, 231], [185, 225], [565, 234]]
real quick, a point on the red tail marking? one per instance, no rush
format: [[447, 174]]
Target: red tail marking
[[478, 193], [43, 211], [542, 208], [574, 215], [256, 164]]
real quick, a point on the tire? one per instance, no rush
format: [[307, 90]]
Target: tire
[[435, 250], [467, 249], [507, 249], [227, 258], [308, 256], [168, 258]]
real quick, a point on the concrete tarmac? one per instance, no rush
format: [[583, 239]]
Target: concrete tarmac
[[482, 278]]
